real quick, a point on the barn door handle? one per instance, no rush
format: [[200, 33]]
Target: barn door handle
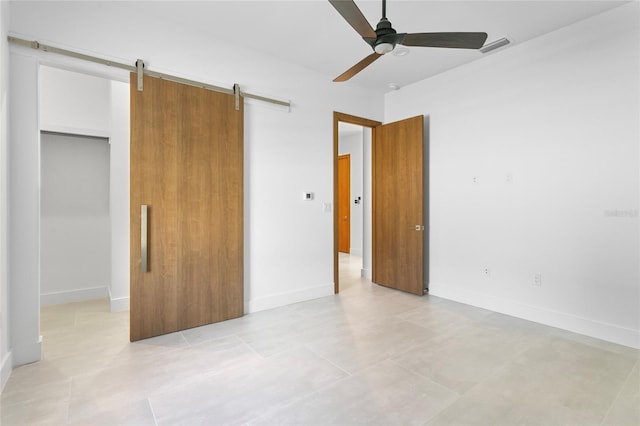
[[143, 238]]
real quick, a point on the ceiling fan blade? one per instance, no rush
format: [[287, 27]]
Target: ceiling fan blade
[[357, 67], [454, 40], [352, 14]]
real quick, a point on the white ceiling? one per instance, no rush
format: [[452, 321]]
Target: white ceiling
[[311, 33]]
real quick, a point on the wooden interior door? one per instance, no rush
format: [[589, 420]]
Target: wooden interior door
[[344, 203], [187, 167], [398, 205]]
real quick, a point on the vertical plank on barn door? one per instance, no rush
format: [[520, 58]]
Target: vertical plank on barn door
[[210, 206]]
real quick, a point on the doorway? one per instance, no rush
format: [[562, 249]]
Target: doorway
[[84, 191], [350, 223], [352, 136], [399, 202]]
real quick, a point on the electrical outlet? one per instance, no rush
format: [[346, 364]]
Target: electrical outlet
[[486, 271], [537, 279]]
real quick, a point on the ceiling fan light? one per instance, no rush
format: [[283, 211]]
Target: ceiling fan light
[[383, 48]]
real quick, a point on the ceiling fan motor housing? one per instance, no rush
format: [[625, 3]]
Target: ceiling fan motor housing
[[386, 38]]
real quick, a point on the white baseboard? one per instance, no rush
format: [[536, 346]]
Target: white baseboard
[[69, 296], [599, 330], [26, 353], [5, 370], [355, 251], [282, 299], [365, 273], [118, 304]]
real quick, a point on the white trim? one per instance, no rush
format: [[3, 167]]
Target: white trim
[[75, 131], [365, 273], [282, 299], [599, 330], [118, 304], [27, 353], [24, 212], [68, 296], [5, 370]]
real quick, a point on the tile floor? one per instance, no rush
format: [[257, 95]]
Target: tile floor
[[368, 356]]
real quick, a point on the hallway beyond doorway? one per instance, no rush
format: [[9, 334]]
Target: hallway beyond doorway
[[350, 271]]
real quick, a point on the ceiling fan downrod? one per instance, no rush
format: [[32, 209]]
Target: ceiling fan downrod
[[385, 40]]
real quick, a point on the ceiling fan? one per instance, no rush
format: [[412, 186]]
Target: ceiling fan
[[384, 39]]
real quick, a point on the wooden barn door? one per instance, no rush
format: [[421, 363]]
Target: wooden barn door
[[186, 207]]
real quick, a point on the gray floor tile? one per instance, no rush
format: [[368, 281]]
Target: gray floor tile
[[130, 413], [364, 347], [43, 404], [558, 382], [625, 410], [384, 394], [238, 395], [463, 358]]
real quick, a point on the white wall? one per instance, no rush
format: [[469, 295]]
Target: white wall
[[550, 130], [286, 153], [5, 354], [75, 225], [74, 103], [351, 143]]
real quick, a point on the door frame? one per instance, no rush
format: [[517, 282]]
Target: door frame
[[339, 117], [24, 288]]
